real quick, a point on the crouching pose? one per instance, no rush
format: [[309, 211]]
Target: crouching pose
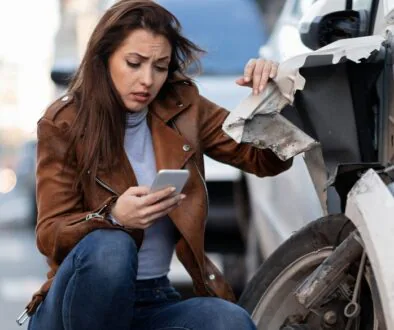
[[130, 111]]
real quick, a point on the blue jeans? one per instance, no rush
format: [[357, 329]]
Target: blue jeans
[[96, 288]]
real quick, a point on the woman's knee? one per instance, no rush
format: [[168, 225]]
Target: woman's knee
[[221, 314], [111, 253]]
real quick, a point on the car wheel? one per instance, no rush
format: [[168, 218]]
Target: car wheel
[[269, 297]]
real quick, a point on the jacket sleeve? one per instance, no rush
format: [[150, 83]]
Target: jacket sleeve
[[62, 221], [219, 146]]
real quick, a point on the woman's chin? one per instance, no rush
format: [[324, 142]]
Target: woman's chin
[[135, 106]]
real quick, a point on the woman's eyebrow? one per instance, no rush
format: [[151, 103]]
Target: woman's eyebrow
[[147, 58]]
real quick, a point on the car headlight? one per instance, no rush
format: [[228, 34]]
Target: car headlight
[[7, 180]]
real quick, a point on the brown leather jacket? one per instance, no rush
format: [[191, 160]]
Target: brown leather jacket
[[183, 129]]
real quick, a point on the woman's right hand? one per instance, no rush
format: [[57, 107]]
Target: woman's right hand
[[138, 208]]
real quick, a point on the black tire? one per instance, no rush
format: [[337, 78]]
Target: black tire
[[324, 232]]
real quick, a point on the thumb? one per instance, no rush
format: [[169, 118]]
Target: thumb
[[241, 82]]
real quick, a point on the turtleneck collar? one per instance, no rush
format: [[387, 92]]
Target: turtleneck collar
[[133, 119]]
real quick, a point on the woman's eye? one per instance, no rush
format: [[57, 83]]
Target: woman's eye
[[161, 68], [133, 65]]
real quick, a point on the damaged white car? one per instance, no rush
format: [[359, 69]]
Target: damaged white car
[[336, 107]]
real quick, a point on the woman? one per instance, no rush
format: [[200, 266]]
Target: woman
[[131, 110]]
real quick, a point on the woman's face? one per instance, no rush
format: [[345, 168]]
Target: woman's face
[[139, 68]]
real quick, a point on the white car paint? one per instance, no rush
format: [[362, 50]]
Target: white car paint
[[370, 206]]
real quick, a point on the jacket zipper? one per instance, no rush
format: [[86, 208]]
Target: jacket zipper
[[205, 188], [105, 186], [91, 216], [97, 214]]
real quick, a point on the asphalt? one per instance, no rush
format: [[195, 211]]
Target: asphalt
[[22, 270]]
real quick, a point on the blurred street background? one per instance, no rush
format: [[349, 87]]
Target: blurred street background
[[34, 35]]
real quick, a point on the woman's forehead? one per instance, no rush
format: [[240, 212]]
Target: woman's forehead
[[146, 43]]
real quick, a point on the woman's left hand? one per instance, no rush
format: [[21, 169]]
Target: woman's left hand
[[256, 74]]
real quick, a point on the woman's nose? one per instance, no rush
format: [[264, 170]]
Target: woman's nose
[[147, 77]]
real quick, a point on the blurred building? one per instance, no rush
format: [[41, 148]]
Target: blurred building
[[25, 58]]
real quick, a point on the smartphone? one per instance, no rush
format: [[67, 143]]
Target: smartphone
[[165, 178]]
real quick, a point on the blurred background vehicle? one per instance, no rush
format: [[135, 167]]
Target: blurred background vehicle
[[284, 40]]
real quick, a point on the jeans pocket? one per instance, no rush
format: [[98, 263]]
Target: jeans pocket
[[171, 294]]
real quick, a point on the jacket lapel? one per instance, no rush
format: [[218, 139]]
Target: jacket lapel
[[172, 150]]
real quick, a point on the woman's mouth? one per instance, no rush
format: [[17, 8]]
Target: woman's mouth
[[141, 97]]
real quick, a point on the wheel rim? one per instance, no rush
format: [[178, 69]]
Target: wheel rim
[[278, 301]]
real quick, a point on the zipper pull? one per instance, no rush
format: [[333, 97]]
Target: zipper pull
[[97, 214], [22, 318], [90, 216]]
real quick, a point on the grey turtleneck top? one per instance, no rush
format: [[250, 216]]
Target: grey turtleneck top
[[155, 255]]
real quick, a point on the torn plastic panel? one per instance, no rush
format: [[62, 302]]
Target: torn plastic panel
[[281, 91], [326, 102]]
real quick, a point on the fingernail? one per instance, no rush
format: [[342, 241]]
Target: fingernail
[[172, 189], [183, 196], [261, 88], [247, 79], [255, 91], [272, 75]]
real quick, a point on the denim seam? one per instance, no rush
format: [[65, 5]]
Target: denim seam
[[73, 277], [77, 260]]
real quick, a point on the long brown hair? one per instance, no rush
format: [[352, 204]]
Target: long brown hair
[[100, 123]]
